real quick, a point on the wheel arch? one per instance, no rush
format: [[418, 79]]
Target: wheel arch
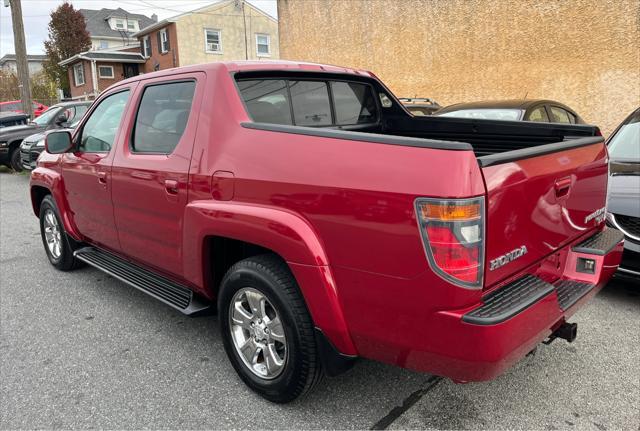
[[233, 231], [45, 182]]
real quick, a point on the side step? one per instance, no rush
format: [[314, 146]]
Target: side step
[[601, 243], [161, 288], [509, 300], [570, 291]]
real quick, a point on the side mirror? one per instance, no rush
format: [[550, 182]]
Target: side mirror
[[62, 119], [58, 142]]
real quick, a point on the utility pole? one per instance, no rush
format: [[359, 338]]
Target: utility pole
[[21, 57]]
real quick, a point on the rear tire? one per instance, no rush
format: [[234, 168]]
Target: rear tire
[[267, 331], [15, 160], [57, 244]]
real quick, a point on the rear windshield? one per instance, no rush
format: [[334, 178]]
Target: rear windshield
[[486, 114], [310, 103]]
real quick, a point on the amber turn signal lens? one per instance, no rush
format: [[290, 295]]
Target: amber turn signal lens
[[450, 212]]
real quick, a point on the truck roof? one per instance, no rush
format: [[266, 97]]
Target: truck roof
[[251, 66]]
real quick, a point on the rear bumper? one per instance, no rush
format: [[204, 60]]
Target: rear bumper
[[482, 341]]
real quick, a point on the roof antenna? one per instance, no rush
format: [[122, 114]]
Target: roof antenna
[[525, 96]]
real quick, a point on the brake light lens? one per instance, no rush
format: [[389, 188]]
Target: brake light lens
[[452, 232]]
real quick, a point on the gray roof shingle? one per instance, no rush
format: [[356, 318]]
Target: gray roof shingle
[[98, 24]]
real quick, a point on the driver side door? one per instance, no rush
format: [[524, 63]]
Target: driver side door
[[87, 170]]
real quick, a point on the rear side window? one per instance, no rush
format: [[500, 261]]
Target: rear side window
[[162, 117], [267, 100], [559, 115], [310, 100], [354, 103], [539, 115]]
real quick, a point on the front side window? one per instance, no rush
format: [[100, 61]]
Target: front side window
[[267, 100], [310, 101], [105, 72], [100, 130], [212, 41], [263, 47], [539, 115], [162, 117], [625, 144], [354, 103], [74, 114], [78, 74], [559, 115]]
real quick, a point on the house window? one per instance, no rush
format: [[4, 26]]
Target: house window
[[131, 25], [146, 47], [119, 23], [263, 47], [164, 41], [104, 44], [78, 74], [105, 72], [212, 41]]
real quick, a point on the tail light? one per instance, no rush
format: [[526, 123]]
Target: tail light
[[453, 235]]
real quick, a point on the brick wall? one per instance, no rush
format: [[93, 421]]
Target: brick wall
[[82, 90], [585, 53], [166, 60]]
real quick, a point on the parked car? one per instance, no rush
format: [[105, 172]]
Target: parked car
[[54, 118], [325, 223], [623, 203], [33, 145], [420, 105], [542, 111], [8, 119], [16, 106]]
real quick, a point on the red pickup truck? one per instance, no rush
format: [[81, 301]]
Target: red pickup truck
[[323, 222]]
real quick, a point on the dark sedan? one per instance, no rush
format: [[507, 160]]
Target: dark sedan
[[623, 201], [541, 111], [58, 116], [33, 145]]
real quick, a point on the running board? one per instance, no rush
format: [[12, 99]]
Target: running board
[[161, 288]]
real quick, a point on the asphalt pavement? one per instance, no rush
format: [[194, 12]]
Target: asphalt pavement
[[83, 350]]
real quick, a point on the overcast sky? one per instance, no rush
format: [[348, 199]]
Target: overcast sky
[[35, 14]]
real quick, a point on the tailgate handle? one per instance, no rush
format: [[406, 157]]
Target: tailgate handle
[[562, 186]]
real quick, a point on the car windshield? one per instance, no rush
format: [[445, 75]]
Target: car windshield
[[46, 116], [486, 114], [625, 144]]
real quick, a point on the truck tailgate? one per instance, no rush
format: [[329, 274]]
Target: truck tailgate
[[539, 199]]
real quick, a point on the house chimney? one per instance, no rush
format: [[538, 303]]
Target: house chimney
[[154, 17]]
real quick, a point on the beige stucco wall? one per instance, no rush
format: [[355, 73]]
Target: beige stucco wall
[[585, 53], [229, 20]]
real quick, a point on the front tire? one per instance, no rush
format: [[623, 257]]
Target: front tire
[[15, 160], [267, 331], [58, 246]]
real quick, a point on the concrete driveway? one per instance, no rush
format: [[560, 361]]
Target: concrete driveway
[[83, 350]]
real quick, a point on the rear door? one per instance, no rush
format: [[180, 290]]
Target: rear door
[[150, 171], [539, 203]]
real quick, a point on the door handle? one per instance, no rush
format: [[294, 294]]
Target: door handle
[[171, 187], [562, 186], [102, 178]]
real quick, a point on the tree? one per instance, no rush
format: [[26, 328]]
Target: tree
[[68, 36]]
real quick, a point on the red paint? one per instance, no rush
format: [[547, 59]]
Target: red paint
[[16, 106], [342, 214]]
